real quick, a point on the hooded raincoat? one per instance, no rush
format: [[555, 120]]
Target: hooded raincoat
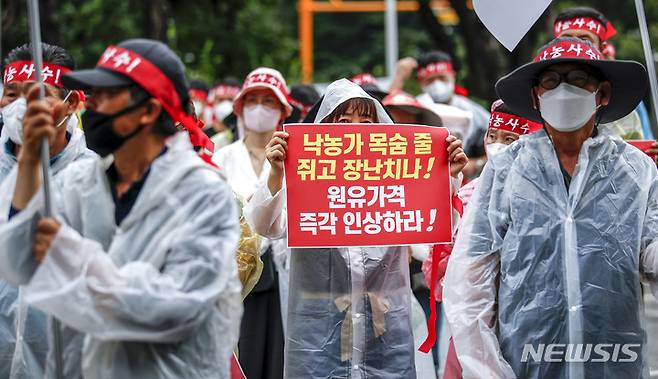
[[18, 322], [157, 296], [349, 308], [539, 266]]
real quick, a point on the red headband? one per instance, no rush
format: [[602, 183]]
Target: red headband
[[22, 71], [158, 85], [512, 123], [304, 109], [364, 78], [578, 50], [436, 68], [223, 90], [604, 32], [199, 94]]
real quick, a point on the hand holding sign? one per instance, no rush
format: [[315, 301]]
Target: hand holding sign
[[509, 20]]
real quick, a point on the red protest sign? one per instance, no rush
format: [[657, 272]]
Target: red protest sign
[[643, 145], [367, 185]]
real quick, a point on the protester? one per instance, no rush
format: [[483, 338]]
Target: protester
[[349, 311], [219, 119], [405, 109], [199, 96], [302, 98], [23, 341], [140, 264], [591, 25], [261, 107], [561, 230], [436, 76], [18, 75], [505, 128]]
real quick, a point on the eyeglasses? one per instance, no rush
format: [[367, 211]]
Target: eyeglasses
[[550, 79]]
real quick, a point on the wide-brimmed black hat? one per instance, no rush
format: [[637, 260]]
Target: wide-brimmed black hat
[[628, 79]]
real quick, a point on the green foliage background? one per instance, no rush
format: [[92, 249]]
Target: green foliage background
[[217, 38]]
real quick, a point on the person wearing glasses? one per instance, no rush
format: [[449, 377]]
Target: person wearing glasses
[[545, 276]]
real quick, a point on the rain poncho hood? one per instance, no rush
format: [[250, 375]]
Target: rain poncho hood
[[537, 264], [157, 296], [342, 90]]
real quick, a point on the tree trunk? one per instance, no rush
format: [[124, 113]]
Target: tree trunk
[[50, 31], [156, 19], [485, 62], [442, 40]]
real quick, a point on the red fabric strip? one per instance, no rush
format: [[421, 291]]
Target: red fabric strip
[[23, 71], [512, 123]]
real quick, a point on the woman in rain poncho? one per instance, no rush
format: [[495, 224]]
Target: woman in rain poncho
[[349, 308]]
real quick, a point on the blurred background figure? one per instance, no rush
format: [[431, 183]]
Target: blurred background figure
[[221, 122], [302, 99]]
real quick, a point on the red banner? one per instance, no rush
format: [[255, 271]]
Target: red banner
[[367, 185], [643, 145]]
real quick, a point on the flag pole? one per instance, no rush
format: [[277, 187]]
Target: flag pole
[[37, 58], [648, 56]]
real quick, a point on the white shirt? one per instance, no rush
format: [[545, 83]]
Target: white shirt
[[235, 163]]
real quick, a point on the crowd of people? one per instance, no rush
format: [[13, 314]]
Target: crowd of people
[[166, 255]]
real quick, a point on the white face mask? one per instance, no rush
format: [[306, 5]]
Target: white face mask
[[567, 108], [495, 148], [12, 116], [261, 119], [440, 91], [223, 109]]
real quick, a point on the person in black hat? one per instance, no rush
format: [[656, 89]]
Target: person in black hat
[[591, 25], [545, 276], [139, 259], [302, 98]]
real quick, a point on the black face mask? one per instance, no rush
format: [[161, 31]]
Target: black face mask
[[99, 133]]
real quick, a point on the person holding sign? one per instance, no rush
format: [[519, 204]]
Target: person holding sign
[[349, 308], [563, 227], [138, 264]]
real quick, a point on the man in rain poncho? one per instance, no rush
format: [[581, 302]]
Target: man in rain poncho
[[18, 322], [544, 279], [349, 307], [139, 265]]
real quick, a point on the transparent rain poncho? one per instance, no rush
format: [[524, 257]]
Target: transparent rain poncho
[[157, 296], [349, 308], [18, 322], [537, 264]]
